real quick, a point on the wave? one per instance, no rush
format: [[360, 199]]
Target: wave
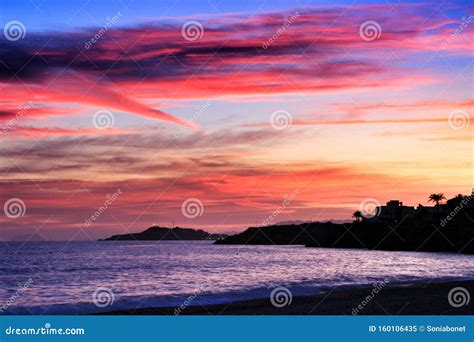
[[204, 298]]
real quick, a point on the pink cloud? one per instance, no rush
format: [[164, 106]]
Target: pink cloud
[[320, 51]]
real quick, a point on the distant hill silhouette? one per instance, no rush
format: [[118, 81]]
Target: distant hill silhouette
[[161, 233], [301, 234]]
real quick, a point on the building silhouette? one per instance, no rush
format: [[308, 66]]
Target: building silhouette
[[394, 211]]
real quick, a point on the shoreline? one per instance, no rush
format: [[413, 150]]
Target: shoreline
[[428, 298]]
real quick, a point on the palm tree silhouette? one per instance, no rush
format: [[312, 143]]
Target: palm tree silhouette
[[436, 198], [357, 215]]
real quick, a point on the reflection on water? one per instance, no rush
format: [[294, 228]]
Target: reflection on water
[[63, 276]]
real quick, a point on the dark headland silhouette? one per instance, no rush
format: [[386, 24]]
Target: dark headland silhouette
[[160, 233], [445, 227]]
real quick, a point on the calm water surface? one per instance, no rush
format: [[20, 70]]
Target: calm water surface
[[61, 277]]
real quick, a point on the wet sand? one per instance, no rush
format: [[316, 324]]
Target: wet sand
[[429, 298]]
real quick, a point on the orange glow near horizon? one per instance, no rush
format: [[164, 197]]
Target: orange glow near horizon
[[321, 113]]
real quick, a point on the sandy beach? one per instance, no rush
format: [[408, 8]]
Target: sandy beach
[[415, 299]]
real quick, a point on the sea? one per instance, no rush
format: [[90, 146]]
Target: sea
[[85, 277]]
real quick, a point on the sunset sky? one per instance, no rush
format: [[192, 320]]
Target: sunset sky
[[237, 105]]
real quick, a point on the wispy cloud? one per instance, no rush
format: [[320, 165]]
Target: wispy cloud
[[321, 51]]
